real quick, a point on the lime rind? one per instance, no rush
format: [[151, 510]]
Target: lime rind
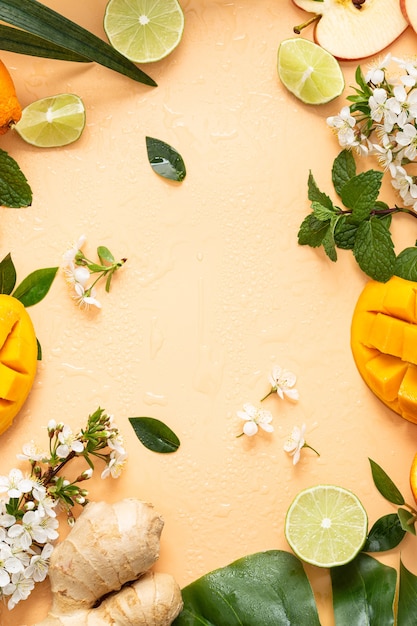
[[52, 122], [326, 525], [144, 31], [309, 72]]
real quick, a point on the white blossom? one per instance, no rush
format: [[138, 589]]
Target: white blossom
[[71, 253], [255, 418], [283, 381], [15, 484], [32, 452], [68, 443], [86, 297], [39, 564], [115, 466], [18, 589], [295, 442]]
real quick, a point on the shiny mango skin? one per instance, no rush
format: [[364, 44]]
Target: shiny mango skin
[[18, 358], [384, 343]]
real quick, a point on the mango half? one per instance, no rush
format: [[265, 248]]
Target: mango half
[[384, 343], [18, 358]]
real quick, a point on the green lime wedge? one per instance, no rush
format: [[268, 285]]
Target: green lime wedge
[[52, 122], [144, 30], [311, 73], [326, 525]]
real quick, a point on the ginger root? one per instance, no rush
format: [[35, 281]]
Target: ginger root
[[99, 574]]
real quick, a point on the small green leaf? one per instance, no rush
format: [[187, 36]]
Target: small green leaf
[[39, 357], [14, 188], [344, 168], [21, 42], [329, 243], [385, 534], [44, 22], [407, 520], [7, 275], [407, 598], [35, 286], [315, 195], [312, 231], [264, 589], [105, 255], [345, 232], [385, 485], [406, 264], [360, 194], [374, 249], [165, 160], [363, 592], [321, 212], [154, 434]]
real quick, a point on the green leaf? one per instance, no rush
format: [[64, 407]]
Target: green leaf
[[374, 249], [315, 195], [321, 212], [40, 20], [345, 232], [407, 520], [360, 194], [344, 168], [312, 231], [165, 160], [105, 255], [329, 243], [363, 592], [7, 275], [385, 485], [407, 598], [35, 286], [154, 434], [14, 188], [263, 589], [21, 42], [385, 534], [39, 356], [405, 265]]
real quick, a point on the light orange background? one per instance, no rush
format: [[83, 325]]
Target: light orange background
[[215, 291]]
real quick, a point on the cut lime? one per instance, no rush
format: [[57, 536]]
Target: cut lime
[[311, 73], [52, 122], [144, 30], [326, 525]]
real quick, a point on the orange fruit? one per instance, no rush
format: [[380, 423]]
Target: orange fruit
[[18, 358], [384, 343], [10, 109], [413, 477]]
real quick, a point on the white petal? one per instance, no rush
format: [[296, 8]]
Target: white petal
[[250, 429]]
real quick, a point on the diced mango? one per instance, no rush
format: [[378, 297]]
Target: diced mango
[[407, 393], [385, 374], [386, 335], [400, 299]]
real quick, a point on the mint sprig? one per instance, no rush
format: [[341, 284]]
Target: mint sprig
[[362, 225]]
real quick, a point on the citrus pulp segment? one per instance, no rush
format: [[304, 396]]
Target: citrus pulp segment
[[326, 525], [53, 121], [308, 71], [144, 30]]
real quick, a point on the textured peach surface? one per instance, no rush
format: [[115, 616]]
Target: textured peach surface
[[215, 291]]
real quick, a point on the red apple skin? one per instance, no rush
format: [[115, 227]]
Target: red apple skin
[[352, 34], [409, 10]]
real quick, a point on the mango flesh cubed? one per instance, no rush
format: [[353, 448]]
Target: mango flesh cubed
[[407, 393], [386, 373], [400, 299], [8, 318], [410, 343], [386, 334], [11, 383]]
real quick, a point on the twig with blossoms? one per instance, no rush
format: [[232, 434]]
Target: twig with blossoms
[[28, 513], [78, 270]]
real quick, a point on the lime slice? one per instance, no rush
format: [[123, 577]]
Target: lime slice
[[52, 122], [326, 525], [144, 30], [311, 73]]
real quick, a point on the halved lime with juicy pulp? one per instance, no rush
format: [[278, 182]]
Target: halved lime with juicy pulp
[[326, 525], [311, 73], [52, 122], [144, 30]]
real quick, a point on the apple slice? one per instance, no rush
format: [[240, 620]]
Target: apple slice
[[409, 9], [355, 29]]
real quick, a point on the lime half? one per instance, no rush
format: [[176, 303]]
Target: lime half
[[311, 73], [326, 525], [144, 30], [52, 122]]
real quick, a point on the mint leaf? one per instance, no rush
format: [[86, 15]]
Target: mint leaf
[[329, 244], [374, 249], [385, 485], [315, 195], [14, 188], [344, 168], [7, 275], [406, 264], [360, 194], [322, 213], [35, 286], [312, 231], [345, 232]]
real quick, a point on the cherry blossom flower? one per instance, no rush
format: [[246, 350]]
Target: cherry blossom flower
[[85, 297], [15, 484], [115, 465], [282, 383], [296, 442], [254, 419], [39, 564], [68, 443]]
